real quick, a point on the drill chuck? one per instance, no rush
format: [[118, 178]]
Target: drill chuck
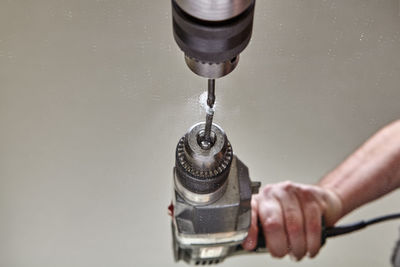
[[212, 34], [202, 171]]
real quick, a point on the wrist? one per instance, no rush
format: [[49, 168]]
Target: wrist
[[334, 203]]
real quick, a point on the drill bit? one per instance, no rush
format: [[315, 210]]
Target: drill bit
[[207, 142], [211, 93]]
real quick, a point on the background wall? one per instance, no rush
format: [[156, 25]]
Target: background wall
[[94, 96]]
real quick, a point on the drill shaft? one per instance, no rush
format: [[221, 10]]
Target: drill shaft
[[211, 93], [210, 112]]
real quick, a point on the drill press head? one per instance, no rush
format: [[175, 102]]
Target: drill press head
[[212, 33]]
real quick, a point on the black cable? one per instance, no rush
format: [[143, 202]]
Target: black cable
[[383, 218], [348, 228]]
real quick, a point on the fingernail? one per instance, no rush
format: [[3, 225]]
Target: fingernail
[[293, 257]]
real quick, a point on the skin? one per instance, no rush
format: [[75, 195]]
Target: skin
[[290, 213]]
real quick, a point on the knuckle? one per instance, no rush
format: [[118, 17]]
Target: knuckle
[[307, 194], [314, 227], [287, 185], [272, 225], [266, 190], [294, 228]]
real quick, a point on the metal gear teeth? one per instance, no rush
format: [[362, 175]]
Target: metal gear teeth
[[205, 62], [202, 174]]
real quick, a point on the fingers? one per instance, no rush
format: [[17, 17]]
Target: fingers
[[271, 218], [312, 220], [293, 218], [250, 242], [290, 215]]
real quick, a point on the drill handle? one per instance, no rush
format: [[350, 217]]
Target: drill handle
[[326, 231], [262, 246]]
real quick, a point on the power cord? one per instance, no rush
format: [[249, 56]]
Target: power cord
[[348, 228]]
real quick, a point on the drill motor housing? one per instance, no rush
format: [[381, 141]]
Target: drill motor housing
[[209, 226]]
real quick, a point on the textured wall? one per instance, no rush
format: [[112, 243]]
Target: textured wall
[[94, 96]]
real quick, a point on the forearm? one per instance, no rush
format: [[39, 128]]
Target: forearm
[[370, 172]]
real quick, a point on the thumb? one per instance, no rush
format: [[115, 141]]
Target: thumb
[[250, 242]]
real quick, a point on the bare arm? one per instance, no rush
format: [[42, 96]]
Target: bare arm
[[290, 213], [370, 172]]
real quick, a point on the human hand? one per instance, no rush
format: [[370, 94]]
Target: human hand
[[290, 215]]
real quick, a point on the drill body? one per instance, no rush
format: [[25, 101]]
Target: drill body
[[211, 199]]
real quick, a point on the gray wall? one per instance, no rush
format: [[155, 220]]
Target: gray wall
[[95, 94]]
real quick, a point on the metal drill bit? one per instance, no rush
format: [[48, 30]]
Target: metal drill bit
[[207, 142], [211, 93], [210, 114]]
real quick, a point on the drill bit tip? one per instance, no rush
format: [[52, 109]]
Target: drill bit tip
[[211, 93]]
